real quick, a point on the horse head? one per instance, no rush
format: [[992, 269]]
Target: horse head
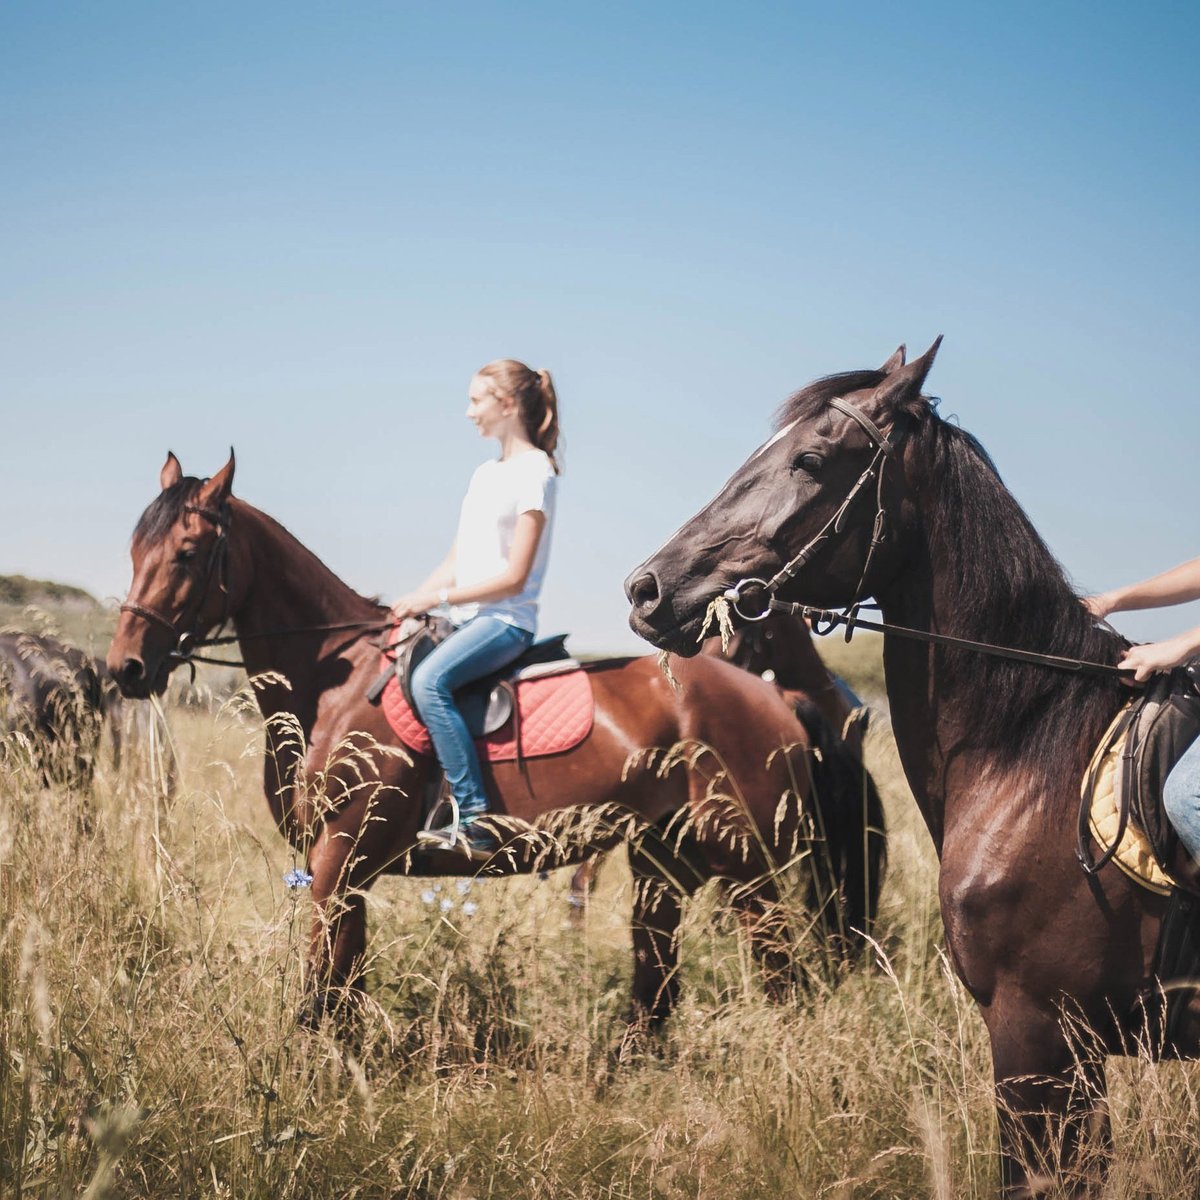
[[182, 585], [822, 489]]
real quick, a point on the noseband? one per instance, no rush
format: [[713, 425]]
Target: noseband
[[885, 448]]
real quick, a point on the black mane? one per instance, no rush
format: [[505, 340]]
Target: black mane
[[1012, 592], [165, 509]]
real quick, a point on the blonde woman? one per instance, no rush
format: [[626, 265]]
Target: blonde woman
[[491, 579]]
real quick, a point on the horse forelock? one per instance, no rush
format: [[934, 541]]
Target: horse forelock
[[815, 396], [165, 509]]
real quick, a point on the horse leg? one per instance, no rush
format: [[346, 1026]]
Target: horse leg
[[339, 932], [1052, 1105], [770, 936], [664, 871]]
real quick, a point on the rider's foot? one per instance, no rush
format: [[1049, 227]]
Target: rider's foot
[[472, 839]]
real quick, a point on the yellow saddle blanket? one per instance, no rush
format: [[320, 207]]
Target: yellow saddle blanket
[[1133, 855]]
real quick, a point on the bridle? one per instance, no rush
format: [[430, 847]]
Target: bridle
[[823, 620], [188, 642], [885, 448]]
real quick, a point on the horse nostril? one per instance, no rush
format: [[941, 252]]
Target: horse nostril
[[132, 670], [643, 592]]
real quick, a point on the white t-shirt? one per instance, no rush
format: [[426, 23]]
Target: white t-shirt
[[498, 493]]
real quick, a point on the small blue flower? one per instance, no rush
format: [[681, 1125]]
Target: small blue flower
[[297, 878], [462, 887], [428, 896], [470, 908], [447, 904]]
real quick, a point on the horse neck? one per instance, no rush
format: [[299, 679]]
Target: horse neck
[[289, 588], [976, 569]]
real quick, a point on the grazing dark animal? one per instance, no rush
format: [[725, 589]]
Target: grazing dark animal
[[53, 697], [994, 749], [202, 557]]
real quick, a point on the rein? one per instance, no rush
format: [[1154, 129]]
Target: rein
[[824, 620]]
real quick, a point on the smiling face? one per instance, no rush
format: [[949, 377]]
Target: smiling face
[[784, 495], [491, 413]]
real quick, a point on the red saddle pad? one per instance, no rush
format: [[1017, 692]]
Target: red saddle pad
[[555, 711]]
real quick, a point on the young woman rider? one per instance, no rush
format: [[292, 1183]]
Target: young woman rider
[[492, 576], [1181, 793]]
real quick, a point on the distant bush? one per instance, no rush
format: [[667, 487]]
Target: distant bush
[[17, 589]]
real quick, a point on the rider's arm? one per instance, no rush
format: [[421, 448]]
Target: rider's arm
[[526, 535], [442, 576], [1176, 586]]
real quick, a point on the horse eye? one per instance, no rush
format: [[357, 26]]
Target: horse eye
[[807, 461], [184, 556]]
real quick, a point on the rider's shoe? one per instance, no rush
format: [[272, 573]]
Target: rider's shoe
[[469, 838]]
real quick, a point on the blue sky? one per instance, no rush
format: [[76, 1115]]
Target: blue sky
[[298, 228]]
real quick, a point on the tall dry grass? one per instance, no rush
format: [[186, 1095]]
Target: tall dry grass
[[150, 960]]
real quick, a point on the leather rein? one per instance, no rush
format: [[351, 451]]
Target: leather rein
[[824, 620], [187, 643]]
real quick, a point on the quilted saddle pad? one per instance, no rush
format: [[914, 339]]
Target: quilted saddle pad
[[555, 714], [1134, 855]]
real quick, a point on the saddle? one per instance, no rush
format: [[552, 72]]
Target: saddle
[[487, 703], [1133, 760]]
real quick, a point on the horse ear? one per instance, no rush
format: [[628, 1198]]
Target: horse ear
[[905, 383], [896, 361], [171, 472], [219, 488]]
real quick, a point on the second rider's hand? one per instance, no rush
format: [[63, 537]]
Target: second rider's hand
[[414, 604], [1154, 657]]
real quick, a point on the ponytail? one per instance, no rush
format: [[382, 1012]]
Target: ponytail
[[536, 400]]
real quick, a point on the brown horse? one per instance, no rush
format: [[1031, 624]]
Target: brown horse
[[341, 793], [864, 490], [780, 648]]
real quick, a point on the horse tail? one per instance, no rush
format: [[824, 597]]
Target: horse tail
[[848, 817]]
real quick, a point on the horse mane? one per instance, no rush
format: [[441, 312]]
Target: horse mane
[[169, 505], [1012, 591]]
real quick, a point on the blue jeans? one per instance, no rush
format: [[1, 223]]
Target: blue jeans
[[1181, 799], [481, 646]]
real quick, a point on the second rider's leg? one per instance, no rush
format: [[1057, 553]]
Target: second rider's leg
[[483, 645], [1181, 799]]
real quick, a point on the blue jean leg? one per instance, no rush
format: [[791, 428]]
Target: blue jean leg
[[481, 646], [1181, 799]]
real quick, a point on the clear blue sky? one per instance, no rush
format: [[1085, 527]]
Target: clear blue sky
[[299, 228]]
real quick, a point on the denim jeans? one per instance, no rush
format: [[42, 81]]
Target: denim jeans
[[482, 645], [1181, 799]]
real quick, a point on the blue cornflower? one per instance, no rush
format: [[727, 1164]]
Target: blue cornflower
[[462, 887], [428, 896], [470, 908], [297, 878]]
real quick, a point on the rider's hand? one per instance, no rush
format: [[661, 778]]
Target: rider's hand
[[414, 604], [1099, 606], [1153, 657]]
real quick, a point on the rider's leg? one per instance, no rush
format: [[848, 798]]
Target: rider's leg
[[481, 646], [1181, 799]]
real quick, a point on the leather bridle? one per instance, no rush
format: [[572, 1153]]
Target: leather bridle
[[823, 620], [187, 640], [885, 448]]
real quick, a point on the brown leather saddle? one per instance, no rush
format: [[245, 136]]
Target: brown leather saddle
[[486, 703]]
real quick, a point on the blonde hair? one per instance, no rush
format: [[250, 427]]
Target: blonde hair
[[535, 397]]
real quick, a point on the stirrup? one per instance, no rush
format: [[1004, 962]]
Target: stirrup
[[443, 814]]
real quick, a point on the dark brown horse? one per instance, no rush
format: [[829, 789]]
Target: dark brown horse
[[202, 557], [994, 749], [780, 649], [55, 697]]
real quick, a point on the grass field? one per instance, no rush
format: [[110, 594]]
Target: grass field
[[150, 958]]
